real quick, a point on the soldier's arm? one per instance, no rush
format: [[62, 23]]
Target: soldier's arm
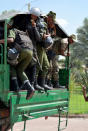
[[33, 31], [54, 29], [9, 40], [37, 35], [11, 37], [54, 32]]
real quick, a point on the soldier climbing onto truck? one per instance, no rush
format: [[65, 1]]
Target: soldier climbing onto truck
[[21, 49]]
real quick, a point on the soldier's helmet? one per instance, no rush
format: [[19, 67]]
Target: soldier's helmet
[[52, 14], [13, 54], [48, 42], [10, 22], [35, 11]]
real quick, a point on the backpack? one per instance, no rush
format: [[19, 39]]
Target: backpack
[[23, 39]]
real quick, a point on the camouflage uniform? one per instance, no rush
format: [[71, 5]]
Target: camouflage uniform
[[54, 52], [36, 34], [55, 68], [43, 59], [57, 49]]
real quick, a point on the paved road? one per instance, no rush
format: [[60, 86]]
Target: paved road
[[74, 124]]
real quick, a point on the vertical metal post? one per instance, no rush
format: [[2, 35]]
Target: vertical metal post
[[5, 43], [67, 57], [67, 66], [11, 112], [59, 121], [1, 54], [5, 54], [11, 127], [66, 119], [24, 125]]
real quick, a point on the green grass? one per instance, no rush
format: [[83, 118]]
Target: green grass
[[77, 104]]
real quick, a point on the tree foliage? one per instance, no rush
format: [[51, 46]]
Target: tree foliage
[[80, 48], [79, 55]]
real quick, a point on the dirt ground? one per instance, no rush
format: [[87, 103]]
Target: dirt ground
[[74, 124]]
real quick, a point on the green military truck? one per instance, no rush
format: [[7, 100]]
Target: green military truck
[[15, 108]]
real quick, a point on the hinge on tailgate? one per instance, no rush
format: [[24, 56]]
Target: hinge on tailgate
[[61, 111], [26, 116]]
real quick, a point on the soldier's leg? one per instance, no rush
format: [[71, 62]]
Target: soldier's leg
[[33, 80], [45, 67], [14, 81], [40, 53], [49, 74], [35, 68], [24, 60], [55, 72], [31, 72]]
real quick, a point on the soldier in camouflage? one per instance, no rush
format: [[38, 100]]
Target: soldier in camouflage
[[53, 58], [59, 47], [42, 60], [35, 37], [19, 39]]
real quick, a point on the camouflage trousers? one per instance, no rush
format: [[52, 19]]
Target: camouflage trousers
[[42, 56], [53, 70], [24, 59]]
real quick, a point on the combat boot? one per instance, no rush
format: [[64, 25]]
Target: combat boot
[[37, 87], [33, 79], [49, 83], [45, 86], [56, 85], [14, 84], [29, 88]]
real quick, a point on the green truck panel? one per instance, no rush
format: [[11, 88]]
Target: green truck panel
[[41, 104]]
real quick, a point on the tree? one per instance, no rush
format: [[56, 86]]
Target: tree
[[80, 48], [79, 55]]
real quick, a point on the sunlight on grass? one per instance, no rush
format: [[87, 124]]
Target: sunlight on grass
[[77, 103]]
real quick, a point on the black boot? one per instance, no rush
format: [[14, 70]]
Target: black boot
[[37, 87], [33, 79], [45, 86], [14, 83], [56, 85], [49, 83], [29, 88]]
